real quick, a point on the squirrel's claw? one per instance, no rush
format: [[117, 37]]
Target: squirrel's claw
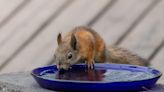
[[90, 65]]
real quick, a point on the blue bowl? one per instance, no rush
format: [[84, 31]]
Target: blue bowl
[[96, 85]]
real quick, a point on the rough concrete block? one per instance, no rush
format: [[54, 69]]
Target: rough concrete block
[[19, 82]]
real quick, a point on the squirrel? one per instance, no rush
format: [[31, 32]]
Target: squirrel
[[83, 44]]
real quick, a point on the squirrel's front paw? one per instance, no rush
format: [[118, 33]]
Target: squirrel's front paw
[[90, 65]]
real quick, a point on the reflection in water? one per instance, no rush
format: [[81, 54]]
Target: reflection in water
[[81, 74]]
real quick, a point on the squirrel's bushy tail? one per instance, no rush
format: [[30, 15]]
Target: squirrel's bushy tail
[[122, 56]]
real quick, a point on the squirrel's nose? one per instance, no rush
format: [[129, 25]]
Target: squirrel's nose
[[58, 65]]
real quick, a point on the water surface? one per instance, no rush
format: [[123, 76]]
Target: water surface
[[109, 75]]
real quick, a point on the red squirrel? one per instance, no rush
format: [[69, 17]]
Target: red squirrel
[[83, 44]]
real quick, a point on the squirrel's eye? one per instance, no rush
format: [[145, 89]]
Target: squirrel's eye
[[69, 55]]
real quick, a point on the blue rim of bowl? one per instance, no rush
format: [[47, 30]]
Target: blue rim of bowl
[[98, 82]]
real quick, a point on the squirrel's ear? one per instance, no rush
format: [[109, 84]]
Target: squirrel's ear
[[59, 39], [73, 42]]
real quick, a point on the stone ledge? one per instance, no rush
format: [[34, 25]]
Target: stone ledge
[[19, 82], [23, 82]]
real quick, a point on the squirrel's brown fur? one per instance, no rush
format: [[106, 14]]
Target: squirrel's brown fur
[[83, 43]]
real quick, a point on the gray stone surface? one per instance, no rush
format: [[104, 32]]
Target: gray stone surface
[[19, 82], [23, 82]]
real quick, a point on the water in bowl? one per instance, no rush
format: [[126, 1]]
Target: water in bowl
[[109, 75]]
